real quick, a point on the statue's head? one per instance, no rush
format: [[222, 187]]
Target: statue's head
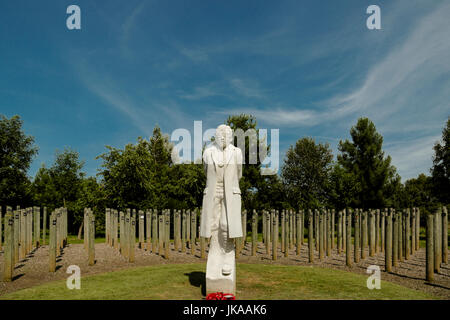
[[224, 136]]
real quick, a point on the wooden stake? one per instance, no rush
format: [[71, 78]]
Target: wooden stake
[[52, 243], [430, 256]]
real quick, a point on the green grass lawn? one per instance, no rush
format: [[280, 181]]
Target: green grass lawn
[[254, 281]]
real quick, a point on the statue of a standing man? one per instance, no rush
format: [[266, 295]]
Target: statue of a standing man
[[221, 211]]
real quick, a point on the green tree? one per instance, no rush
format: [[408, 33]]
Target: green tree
[[419, 193], [66, 176], [127, 174], [364, 159], [251, 173], [305, 173], [440, 172], [16, 153], [43, 189], [343, 188]]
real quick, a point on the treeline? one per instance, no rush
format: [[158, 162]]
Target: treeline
[[142, 175]]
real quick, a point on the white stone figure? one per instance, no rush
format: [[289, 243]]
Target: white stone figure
[[221, 210]]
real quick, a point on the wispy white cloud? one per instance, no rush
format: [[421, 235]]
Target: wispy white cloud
[[247, 88], [201, 92], [412, 156], [127, 28]]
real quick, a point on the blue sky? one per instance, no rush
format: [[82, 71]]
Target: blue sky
[[308, 68]]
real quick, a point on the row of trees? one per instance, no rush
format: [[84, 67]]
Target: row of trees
[[142, 175]]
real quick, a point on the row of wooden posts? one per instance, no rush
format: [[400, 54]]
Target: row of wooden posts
[[357, 233], [22, 235], [154, 231]]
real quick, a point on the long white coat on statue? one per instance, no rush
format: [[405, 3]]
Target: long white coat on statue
[[232, 166]]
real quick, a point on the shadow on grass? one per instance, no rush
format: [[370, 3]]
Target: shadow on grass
[[198, 279]]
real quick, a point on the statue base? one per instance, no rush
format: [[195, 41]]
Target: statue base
[[221, 265]]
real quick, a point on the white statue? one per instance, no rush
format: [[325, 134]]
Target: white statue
[[221, 211]]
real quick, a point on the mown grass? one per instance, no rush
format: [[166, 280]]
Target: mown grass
[[187, 281]]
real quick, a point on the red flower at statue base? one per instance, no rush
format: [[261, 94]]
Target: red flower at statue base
[[220, 296]]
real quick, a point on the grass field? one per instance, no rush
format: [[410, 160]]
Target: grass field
[[186, 281]]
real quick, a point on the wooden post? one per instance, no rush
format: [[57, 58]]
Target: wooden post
[[332, 229], [357, 254], [202, 243], [339, 233], [141, 229], [377, 230], [395, 236], [29, 229], [364, 234], [413, 231], [107, 227], [407, 234], [1, 227], [388, 241], [286, 234], [348, 246], [148, 229], [430, 256], [344, 229], [161, 227], [264, 228], [444, 235], [121, 231], [383, 214], [16, 234], [275, 235], [244, 227], [321, 235], [417, 229], [255, 232], [167, 234], [371, 233], [401, 234], [154, 230], [9, 246], [188, 227], [283, 229], [268, 227], [193, 230], [310, 236], [91, 238], [316, 228], [328, 233], [58, 232], [52, 243], [127, 231], [44, 226], [132, 238], [23, 249], [116, 229], [298, 229], [291, 229], [436, 237], [175, 229], [183, 232]]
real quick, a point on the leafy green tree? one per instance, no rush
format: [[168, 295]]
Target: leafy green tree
[[127, 174], [66, 176], [16, 153], [305, 173], [43, 189], [343, 188], [419, 193], [364, 159], [440, 172], [251, 173]]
